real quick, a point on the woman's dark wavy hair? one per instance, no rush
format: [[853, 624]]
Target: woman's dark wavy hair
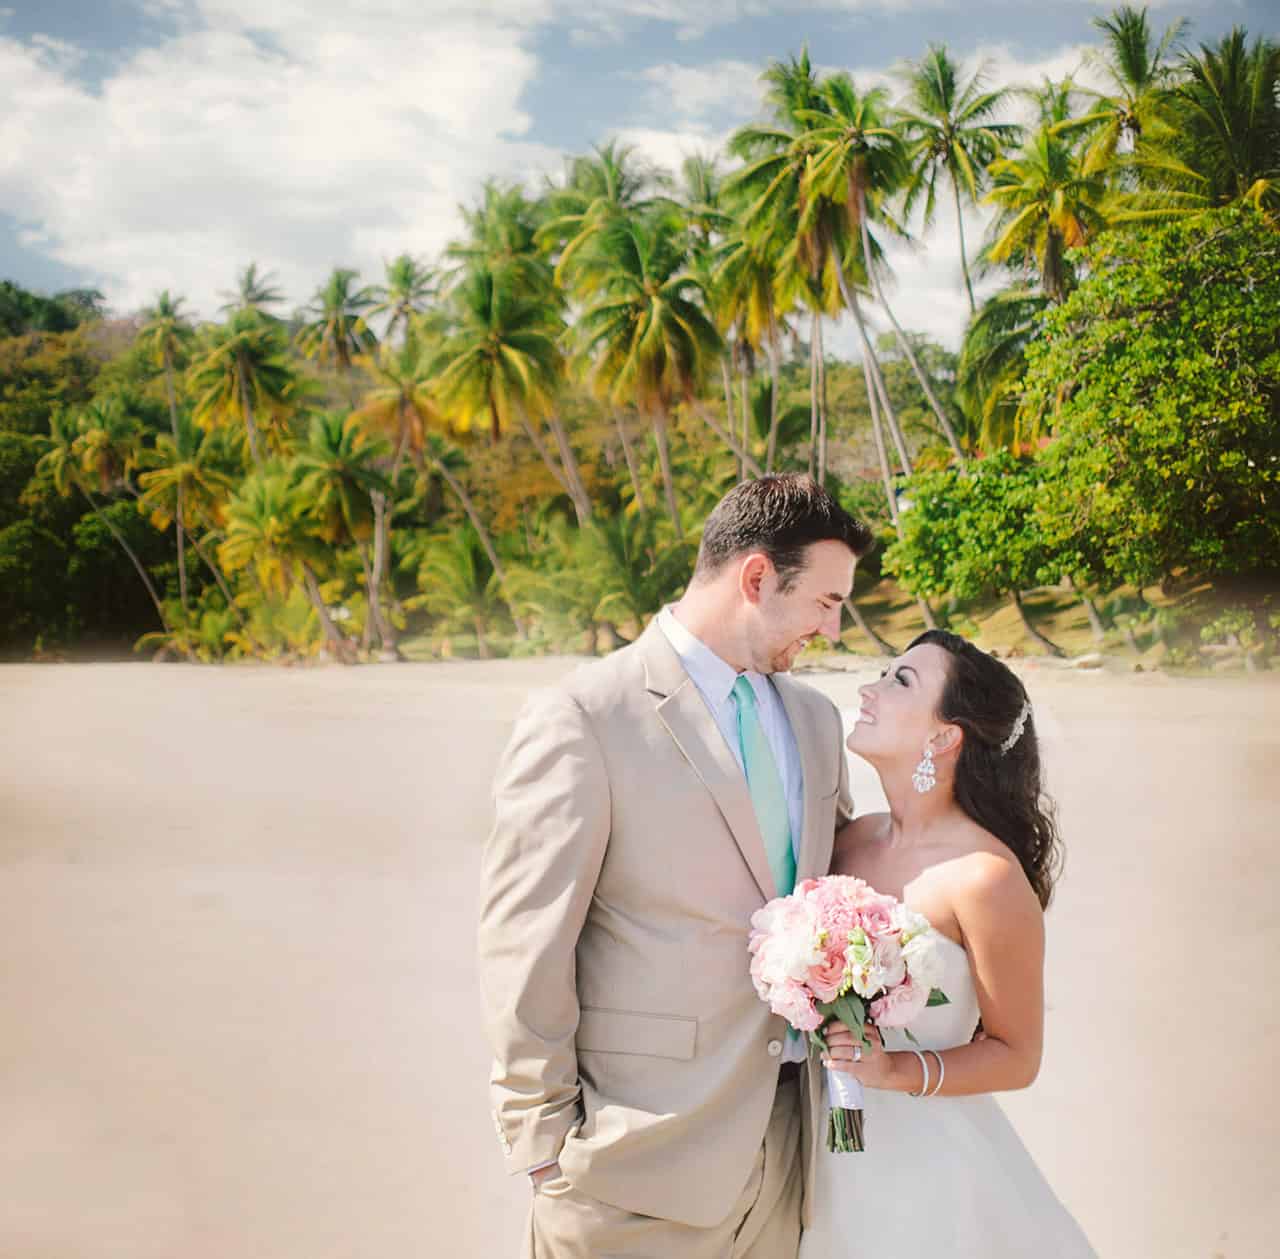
[[1000, 791]]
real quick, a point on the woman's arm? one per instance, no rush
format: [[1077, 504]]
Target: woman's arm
[[1003, 928]]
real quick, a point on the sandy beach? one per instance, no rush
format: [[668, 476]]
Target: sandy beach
[[237, 975]]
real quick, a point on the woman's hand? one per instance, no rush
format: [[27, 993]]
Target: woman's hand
[[866, 1062]]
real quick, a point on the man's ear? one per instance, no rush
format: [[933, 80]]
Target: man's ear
[[752, 575]]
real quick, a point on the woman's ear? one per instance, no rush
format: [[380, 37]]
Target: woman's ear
[[948, 739]]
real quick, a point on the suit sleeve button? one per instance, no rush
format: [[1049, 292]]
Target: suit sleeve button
[[775, 1048]]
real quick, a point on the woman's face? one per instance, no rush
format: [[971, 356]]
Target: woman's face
[[899, 713]]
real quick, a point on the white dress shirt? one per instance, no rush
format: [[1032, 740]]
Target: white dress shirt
[[714, 679]]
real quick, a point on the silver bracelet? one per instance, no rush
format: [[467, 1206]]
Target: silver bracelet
[[942, 1072], [924, 1067]]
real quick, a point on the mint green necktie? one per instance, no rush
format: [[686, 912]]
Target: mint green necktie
[[765, 784]]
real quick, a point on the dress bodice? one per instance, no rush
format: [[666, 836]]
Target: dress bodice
[[944, 1026]]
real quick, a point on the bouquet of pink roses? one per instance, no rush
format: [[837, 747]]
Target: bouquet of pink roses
[[836, 947]]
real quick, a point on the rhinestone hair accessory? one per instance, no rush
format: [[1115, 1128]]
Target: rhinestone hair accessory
[[1018, 727]]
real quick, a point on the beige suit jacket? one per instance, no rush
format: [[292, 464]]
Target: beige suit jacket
[[618, 886]]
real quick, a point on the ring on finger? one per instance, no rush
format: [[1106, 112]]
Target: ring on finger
[[857, 1053]]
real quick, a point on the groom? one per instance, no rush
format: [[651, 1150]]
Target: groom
[[645, 808]]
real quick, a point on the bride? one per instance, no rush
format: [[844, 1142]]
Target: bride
[[970, 843]]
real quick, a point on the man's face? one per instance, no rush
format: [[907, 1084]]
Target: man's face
[[785, 621]]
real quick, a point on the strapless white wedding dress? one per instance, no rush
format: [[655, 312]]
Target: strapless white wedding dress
[[940, 1175]]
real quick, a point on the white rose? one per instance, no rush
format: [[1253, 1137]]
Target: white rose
[[890, 966], [908, 922], [924, 959]]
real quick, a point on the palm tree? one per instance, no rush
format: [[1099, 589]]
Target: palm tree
[[1046, 203], [859, 161], [950, 134], [243, 377], [599, 189], [501, 236], [338, 473], [335, 331], [409, 286], [500, 363], [802, 239], [1140, 73], [167, 334], [272, 532], [992, 364], [184, 484], [647, 340], [746, 284], [1224, 141], [459, 586], [253, 292], [98, 449]]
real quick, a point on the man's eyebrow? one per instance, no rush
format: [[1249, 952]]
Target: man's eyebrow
[[836, 598]]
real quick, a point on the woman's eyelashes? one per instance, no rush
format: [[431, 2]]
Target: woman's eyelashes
[[898, 676]]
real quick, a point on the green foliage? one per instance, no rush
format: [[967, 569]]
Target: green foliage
[[1161, 377], [972, 533]]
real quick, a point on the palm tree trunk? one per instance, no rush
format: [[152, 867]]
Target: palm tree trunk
[[876, 380], [814, 338], [1096, 626], [577, 487], [713, 424], [881, 645], [744, 402], [129, 551], [377, 575], [774, 401], [1051, 647], [247, 408], [882, 454], [338, 646], [727, 381], [173, 424], [664, 462], [547, 457], [934, 405], [219, 578], [366, 634], [486, 541], [822, 407], [964, 260], [630, 456], [182, 553]]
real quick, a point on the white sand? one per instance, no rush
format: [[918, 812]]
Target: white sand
[[237, 978]]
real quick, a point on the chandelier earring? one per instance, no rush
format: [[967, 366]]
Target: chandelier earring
[[925, 778]]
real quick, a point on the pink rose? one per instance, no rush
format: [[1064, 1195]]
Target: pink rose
[[900, 1006], [796, 1006], [876, 916], [827, 978]]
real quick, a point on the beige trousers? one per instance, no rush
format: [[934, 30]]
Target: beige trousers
[[764, 1224]]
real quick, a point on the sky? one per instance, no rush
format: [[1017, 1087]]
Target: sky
[[164, 144]]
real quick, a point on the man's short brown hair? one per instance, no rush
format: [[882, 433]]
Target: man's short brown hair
[[780, 516]]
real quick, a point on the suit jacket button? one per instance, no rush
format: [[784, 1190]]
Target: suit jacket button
[[775, 1048]]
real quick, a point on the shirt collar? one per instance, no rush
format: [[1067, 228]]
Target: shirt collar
[[713, 676]]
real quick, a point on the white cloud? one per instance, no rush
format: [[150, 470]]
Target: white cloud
[[712, 91], [302, 136]]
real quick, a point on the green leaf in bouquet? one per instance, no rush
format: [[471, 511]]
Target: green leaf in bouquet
[[937, 997]]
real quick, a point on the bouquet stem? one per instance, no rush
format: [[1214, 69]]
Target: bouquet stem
[[844, 1122], [844, 1131]]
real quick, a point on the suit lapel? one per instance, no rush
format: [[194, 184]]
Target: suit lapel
[[812, 761], [684, 713]]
